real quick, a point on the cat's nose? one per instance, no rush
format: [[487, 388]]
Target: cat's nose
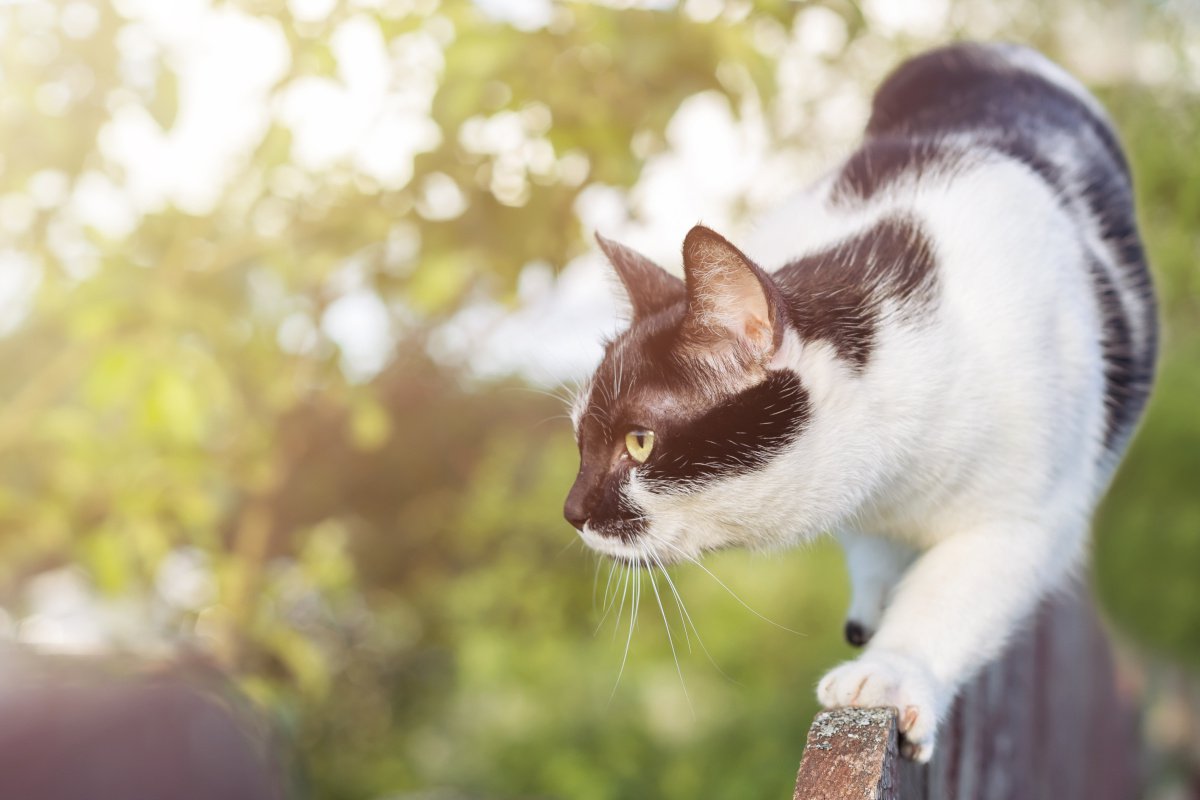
[[575, 512], [575, 509]]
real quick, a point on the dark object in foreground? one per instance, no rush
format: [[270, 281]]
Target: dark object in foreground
[[85, 728], [856, 634], [1046, 722]]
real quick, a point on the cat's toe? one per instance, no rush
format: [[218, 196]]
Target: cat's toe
[[886, 679]]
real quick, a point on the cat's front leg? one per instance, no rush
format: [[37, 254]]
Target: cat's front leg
[[951, 613], [874, 564]]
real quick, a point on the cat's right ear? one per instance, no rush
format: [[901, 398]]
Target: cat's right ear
[[650, 287]]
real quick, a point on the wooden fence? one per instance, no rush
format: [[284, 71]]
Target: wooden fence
[[1047, 721]]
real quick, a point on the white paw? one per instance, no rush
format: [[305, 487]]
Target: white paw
[[889, 679]]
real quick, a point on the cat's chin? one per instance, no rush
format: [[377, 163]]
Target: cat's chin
[[630, 545]]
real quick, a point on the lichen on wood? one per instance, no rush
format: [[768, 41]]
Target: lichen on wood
[[850, 755]]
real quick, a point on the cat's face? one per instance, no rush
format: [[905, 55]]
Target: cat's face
[[686, 409]]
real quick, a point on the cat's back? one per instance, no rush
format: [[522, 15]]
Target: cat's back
[[1005, 91], [943, 112], [983, 237], [945, 119]]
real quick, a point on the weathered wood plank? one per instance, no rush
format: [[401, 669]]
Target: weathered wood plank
[[1045, 722], [851, 755]]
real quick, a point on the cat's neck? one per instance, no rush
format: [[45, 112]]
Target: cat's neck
[[865, 451]]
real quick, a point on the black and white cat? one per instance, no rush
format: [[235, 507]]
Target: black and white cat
[[938, 353]]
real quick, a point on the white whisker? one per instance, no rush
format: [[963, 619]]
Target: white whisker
[[621, 610], [574, 540], [671, 642], [678, 603], [629, 639], [689, 621], [732, 594], [608, 602], [596, 586]]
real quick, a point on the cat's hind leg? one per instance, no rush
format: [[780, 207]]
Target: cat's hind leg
[[875, 565]]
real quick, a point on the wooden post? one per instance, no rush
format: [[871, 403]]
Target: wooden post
[[851, 753], [1046, 721]]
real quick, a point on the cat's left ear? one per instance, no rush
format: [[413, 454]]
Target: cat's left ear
[[731, 301], [650, 287]]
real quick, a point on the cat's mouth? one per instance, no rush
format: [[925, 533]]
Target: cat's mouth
[[628, 543]]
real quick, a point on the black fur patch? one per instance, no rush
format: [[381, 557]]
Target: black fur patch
[[652, 343], [881, 162], [1127, 374], [836, 295], [599, 493], [612, 514], [1000, 106], [973, 87], [736, 436]]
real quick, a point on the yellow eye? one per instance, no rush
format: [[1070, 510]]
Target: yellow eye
[[639, 444]]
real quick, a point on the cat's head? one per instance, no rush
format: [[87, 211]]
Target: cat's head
[[689, 410]]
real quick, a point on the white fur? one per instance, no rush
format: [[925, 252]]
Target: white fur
[[975, 437], [875, 564]]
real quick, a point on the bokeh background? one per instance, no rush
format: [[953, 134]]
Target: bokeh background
[[289, 293]]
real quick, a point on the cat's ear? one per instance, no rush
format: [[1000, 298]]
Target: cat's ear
[[731, 301], [650, 287]]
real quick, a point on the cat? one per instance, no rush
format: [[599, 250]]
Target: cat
[[937, 352]]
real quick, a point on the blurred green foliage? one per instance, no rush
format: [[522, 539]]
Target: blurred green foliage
[[390, 576], [1148, 532]]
